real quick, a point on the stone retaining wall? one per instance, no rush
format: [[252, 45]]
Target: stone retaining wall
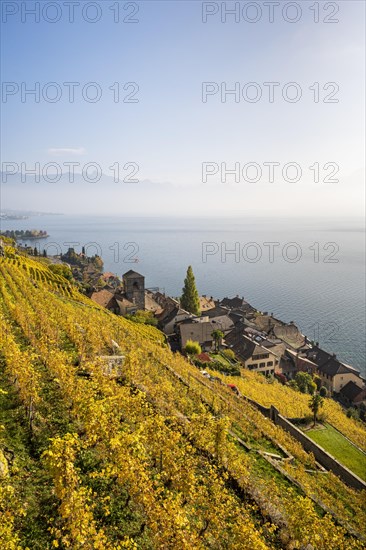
[[266, 411], [324, 458]]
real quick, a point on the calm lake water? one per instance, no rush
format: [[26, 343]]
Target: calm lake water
[[311, 274]]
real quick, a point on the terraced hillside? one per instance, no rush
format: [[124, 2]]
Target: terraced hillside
[[111, 441], [294, 404]]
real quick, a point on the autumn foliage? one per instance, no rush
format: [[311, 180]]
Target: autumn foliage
[[144, 452]]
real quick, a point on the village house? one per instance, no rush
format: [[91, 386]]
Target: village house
[[222, 322], [151, 304], [199, 331], [171, 317], [115, 303], [296, 361], [217, 311], [275, 328], [206, 303], [253, 355], [125, 306], [231, 317], [106, 299], [170, 313], [334, 374], [352, 395], [221, 318], [111, 280], [236, 303]]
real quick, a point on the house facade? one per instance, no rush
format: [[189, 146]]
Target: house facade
[[198, 331], [334, 374], [106, 299], [252, 355], [352, 395]]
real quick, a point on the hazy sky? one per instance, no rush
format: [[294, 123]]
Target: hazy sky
[[171, 127]]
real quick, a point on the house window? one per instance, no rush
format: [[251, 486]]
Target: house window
[[261, 365], [269, 363]]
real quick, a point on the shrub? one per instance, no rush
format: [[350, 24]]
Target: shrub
[[192, 348], [305, 382], [229, 354], [353, 413], [230, 370], [292, 384], [203, 365], [61, 269], [143, 317]]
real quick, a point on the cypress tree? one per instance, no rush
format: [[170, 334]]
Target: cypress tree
[[190, 300]]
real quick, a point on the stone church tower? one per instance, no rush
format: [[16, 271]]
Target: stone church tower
[[134, 287]]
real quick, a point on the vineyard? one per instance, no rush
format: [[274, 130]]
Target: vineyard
[[294, 404], [39, 273], [108, 440]]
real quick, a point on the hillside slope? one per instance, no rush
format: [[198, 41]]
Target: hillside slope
[[140, 450], [294, 404]]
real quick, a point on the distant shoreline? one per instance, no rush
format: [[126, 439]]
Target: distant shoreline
[[25, 237]]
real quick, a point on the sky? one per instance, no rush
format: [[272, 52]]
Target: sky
[[163, 119]]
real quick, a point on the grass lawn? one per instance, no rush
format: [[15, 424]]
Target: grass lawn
[[338, 446]]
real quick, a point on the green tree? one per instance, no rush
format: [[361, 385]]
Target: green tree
[[192, 348], [190, 300], [143, 317], [305, 382], [44, 253], [217, 335], [62, 269], [315, 404], [35, 251]]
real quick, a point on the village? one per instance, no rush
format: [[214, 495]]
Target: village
[[227, 335], [231, 335]]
